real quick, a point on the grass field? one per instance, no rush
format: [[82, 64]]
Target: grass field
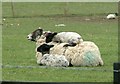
[[18, 51]]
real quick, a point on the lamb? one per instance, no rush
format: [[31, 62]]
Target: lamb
[[72, 38], [112, 16], [53, 60]]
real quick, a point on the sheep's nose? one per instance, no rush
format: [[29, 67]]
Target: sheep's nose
[[27, 36]]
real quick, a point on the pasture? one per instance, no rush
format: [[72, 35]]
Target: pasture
[[87, 19]]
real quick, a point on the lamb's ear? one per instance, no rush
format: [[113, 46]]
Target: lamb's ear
[[50, 36]]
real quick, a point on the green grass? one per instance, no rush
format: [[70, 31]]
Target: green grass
[[43, 9], [17, 50], [57, 74]]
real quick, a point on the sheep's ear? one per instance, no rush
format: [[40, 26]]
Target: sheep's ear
[[48, 34], [39, 28], [51, 46], [41, 31], [116, 14], [55, 33]]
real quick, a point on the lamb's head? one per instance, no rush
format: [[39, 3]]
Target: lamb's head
[[50, 36], [35, 35], [116, 14]]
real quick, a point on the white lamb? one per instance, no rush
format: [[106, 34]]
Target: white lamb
[[72, 38], [112, 16], [68, 37], [53, 60]]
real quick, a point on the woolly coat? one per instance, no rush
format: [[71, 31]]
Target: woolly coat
[[54, 60], [84, 54]]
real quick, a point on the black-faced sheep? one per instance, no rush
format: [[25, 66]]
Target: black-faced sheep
[[44, 58], [83, 54]]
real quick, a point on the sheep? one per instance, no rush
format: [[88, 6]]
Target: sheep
[[45, 48], [53, 60], [83, 54], [72, 38], [112, 16], [87, 54]]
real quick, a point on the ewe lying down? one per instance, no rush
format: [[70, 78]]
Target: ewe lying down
[[84, 54], [64, 49]]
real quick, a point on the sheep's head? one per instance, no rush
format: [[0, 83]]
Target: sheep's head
[[50, 36], [35, 35], [44, 48]]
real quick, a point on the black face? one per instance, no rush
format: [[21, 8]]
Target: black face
[[50, 36], [33, 36], [116, 14], [44, 49]]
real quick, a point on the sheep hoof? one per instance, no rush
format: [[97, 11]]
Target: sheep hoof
[[40, 64], [70, 65]]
